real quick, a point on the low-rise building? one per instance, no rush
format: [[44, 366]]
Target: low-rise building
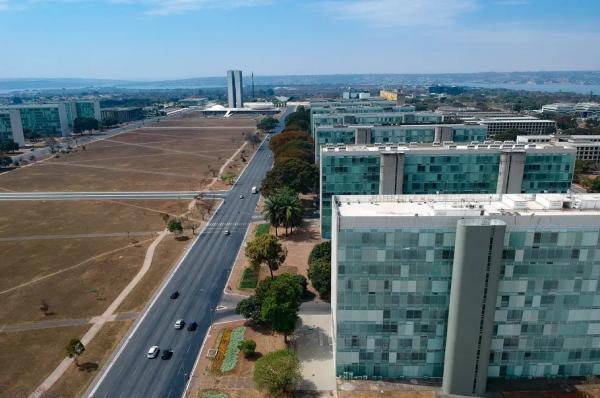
[[587, 146], [466, 287], [122, 114], [491, 167], [526, 125], [11, 129]]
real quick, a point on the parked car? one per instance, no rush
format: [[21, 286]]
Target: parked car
[[192, 326], [153, 352], [174, 295], [179, 324]]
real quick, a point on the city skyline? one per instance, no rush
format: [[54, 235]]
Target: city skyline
[[174, 39]]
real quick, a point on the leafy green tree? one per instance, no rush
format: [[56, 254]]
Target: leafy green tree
[[594, 186], [175, 226], [321, 251], [250, 307], [319, 273], [278, 372], [85, 123], [276, 301], [508, 135], [266, 249], [296, 174], [5, 161], [566, 122], [74, 349], [248, 347], [281, 303], [267, 123]]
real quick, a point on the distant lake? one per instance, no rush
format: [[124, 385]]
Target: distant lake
[[550, 88]]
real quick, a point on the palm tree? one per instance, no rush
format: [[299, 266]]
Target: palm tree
[[272, 211], [291, 210]]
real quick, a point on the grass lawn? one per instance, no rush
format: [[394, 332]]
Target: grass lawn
[[27, 358], [262, 229]]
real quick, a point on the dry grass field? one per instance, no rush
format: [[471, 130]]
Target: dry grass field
[[77, 256], [76, 380], [28, 357], [180, 154]]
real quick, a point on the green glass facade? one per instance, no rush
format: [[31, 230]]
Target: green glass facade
[[6, 133], [547, 319], [41, 121], [85, 109], [438, 171], [548, 172], [395, 135], [392, 301], [392, 291]]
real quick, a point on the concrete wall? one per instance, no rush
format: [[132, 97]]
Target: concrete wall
[[475, 274], [391, 173], [510, 173]]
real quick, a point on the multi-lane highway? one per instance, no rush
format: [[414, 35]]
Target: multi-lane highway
[[200, 279]]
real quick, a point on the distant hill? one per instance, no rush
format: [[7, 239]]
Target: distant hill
[[485, 78]]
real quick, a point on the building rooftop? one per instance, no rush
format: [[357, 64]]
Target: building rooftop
[[375, 114], [478, 205], [401, 126], [450, 146]]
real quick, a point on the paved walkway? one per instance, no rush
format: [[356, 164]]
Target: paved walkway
[[99, 321]]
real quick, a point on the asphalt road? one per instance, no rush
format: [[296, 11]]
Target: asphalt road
[[200, 279]]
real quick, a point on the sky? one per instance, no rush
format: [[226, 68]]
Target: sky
[[174, 39]]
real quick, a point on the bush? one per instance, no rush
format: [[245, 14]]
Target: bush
[[262, 229], [278, 372], [233, 349], [248, 347], [319, 273], [321, 251], [249, 278]]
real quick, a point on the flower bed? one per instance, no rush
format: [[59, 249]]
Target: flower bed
[[223, 348], [233, 352]]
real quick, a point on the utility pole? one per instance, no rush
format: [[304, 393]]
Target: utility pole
[[253, 96]]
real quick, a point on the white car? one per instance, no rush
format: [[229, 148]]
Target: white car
[[179, 324], [152, 352]]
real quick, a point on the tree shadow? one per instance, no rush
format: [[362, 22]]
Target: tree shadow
[[182, 238], [254, 357], [311, 343], [308, 296], [88, 367]]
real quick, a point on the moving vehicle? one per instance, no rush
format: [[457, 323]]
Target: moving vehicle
[[226, 232], [254, 190], [241, 196], [174, 295], [192, 326], [166, 354], [179, 324], [153, 352]]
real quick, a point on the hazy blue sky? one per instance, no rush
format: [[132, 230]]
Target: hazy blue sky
[[163, 39]]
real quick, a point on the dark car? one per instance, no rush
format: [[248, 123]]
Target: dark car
[[174, 295], [166, 354], [192, 326]]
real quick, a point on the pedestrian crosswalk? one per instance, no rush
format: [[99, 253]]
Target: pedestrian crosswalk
[[226, 224]]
